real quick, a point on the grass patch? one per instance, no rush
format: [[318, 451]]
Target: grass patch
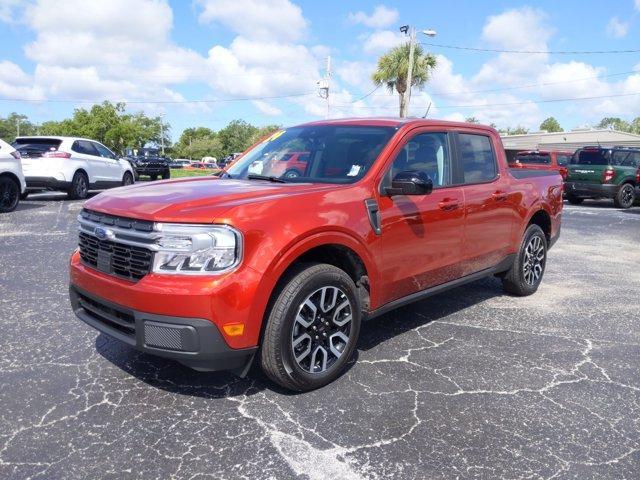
[[185, 172]]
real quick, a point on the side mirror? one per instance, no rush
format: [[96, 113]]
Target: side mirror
[[410, 183]]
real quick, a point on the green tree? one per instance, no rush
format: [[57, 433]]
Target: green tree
[[110, 124], [471, 120], [519, 130], [392, 71], [236, 136], [9, 127], [615, 123], [551, 125]]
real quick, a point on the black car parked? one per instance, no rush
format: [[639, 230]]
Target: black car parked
[[149, 161]]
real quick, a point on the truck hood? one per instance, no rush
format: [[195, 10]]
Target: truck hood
[[194, 200]]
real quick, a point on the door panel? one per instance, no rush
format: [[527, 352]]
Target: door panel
[[421, 235], [490, 206], [422, 241], [111, 166]]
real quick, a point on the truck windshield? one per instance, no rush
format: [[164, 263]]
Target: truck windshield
[[318, 153], [591, 157]]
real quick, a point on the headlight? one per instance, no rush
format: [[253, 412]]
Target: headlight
[[196, 249]]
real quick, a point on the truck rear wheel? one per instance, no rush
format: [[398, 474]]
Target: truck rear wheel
[[625, 197], [9, 194], [79, 187], [312, 328], [525, 275], [166, 175]]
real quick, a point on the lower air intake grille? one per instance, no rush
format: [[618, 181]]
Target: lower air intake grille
[[163, 336]]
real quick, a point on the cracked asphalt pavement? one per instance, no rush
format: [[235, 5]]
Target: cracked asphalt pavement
[[469, 384]]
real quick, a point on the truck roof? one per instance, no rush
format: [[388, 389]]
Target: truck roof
[[396, 122]]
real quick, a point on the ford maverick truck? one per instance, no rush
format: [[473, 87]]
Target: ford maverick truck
[[259, 266]]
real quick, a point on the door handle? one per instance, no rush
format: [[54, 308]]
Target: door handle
[[500, 196], [449, 204]]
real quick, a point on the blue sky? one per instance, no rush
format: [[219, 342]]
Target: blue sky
[[192, 61]]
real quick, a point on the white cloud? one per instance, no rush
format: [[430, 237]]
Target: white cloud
[[380, 17], [16, 83], [517, 29], [267, 108], [381, 41], [637, 3], [617, 28], [9, 10], [256, 19]]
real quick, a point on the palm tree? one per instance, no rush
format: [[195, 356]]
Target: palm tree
[[392, 71]]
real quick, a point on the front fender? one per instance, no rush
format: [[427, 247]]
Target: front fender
[[298, 248]]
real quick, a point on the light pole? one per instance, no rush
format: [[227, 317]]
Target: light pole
[[411, 31], [162, 133]]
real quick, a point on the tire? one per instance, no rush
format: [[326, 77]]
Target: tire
[[573, 200], [525, 275], [166, 175], [293, 173], [9, 194], [625, 197], [79, 187], [127, 179], [299, 312], [153, 177]]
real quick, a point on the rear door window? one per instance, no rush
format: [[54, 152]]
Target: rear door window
[[534, 158], [85, 147], [622, 159], [103, 151], [478, 159], [35, 147]]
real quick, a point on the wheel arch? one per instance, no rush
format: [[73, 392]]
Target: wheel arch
[[334, 248], [13, 177], [542, 218]]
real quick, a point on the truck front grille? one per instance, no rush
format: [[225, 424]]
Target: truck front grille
[[118, 259]]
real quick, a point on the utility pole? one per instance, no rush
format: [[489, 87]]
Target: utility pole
[[412, 48], [406, 97], [324, 86], [18, 127], [162, 133]]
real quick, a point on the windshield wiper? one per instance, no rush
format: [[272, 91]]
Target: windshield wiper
[[254, 176]]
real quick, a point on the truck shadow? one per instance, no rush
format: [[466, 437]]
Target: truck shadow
[[172, 377]]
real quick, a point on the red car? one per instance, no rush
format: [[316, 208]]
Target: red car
[[553, 160], [291, 164], [219, 272]]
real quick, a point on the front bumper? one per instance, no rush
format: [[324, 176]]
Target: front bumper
[[591, 190], [46, 183], [151, 169], [194, 342]]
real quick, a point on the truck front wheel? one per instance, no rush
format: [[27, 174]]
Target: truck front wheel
[[312, 328], [525, 275]]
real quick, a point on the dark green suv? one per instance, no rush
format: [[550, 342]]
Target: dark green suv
[[604, 172]]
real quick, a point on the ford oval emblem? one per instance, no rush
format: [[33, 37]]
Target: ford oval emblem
[[103, 233]]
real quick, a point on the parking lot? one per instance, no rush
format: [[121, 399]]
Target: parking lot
[[468, 384]]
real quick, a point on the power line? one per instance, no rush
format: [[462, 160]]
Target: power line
[[550, 52], [504, 104], [222, 100], [518, 87]]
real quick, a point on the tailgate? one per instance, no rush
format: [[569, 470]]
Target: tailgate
[[586, 173]]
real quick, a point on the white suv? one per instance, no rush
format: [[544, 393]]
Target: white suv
[[73, 165], [12, 184]]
